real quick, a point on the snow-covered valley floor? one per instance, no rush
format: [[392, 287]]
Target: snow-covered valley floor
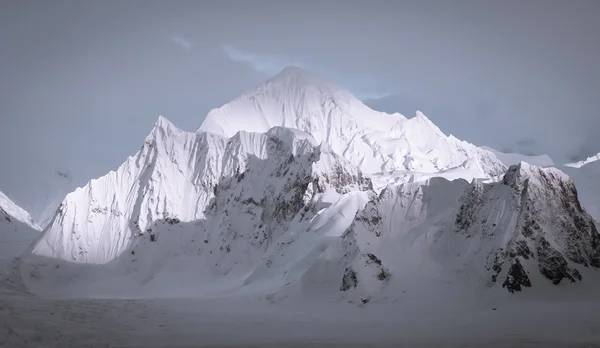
[[410, 320], [39, 322]]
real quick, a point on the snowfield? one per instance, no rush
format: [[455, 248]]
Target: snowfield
[[295, 216]]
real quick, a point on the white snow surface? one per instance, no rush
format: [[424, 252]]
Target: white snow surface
[[580, 164], [176, 175], [515, 158], [8, 207], [374, 141], [261, 229]]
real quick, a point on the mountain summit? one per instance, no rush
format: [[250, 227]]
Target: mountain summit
[[374, 141]]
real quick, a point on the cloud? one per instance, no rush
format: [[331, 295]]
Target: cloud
[[363, 87], [182, 42], [266, 64]]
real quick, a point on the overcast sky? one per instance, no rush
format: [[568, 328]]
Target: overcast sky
[[84, 81]]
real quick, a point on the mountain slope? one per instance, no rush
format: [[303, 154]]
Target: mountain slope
[[507, 233], [373, 141], [175, 176], [17, 229], [279, 213], [11, 209]]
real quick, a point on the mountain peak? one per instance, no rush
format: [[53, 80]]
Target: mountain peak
[[163, 123], [374, 141], [517, 174], [295, 79]]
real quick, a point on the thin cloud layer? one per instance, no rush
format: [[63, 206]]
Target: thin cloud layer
[[182, 42], [269, 65], [266, 64]]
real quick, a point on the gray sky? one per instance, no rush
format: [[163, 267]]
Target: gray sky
[[84, 81]]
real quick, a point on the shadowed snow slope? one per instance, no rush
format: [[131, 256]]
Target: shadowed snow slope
[[277, 214], [372, 140], [175, 176], [17, 229], [269, 198]]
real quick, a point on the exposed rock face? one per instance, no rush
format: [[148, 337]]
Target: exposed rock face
[[530, 222], [247, 188], [516, 278]]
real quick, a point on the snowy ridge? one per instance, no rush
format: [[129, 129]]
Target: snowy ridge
[[175, 176], [10, 209], [17, 232], [580, 164], [515, 158], [374, 141], [508, 232]]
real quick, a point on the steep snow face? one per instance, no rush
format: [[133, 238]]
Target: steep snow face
[[11, 210], [506, 233], [515, 158], [180, 177], [373, 141], [580, 164]]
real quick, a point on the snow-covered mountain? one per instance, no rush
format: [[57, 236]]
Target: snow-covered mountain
[[276, 209], [374, 141], [508, 233], [11, 210], [176, 175], [580, 164], [515, 158], [17, 229]]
